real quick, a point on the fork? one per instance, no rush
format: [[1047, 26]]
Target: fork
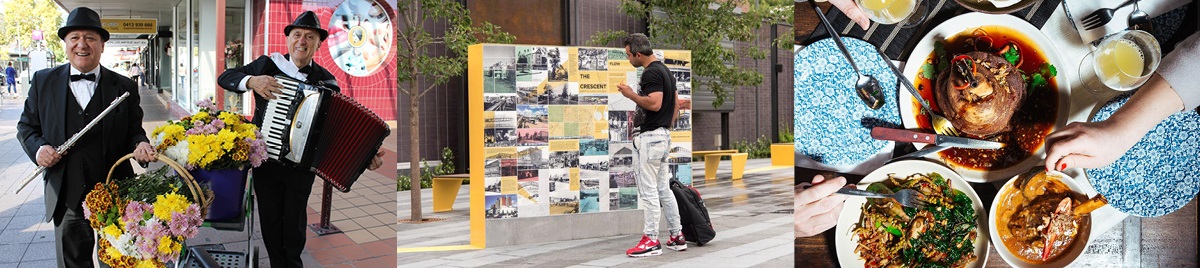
[[906, 197], [941, 125], [1101, 16]]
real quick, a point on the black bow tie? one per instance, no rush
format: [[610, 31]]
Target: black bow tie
[[306, 69], [89, 77]]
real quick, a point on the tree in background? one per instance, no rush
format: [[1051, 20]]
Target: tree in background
[[701, 26], [21, 17], [417, 63]]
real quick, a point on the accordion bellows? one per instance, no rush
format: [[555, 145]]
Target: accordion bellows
[[325, 132]]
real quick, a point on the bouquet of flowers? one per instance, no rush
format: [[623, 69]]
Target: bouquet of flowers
[[143, 221], [211, 139]]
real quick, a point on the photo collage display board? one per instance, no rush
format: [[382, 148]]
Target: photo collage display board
[[558, 134]]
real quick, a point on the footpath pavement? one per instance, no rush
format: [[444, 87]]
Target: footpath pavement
[[752, 217], [364, 214]]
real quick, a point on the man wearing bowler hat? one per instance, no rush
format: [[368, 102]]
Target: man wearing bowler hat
[[62, 100], [283, 191]]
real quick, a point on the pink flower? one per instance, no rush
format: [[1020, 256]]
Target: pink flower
[[258, 151], [206, 104], [218, 124]]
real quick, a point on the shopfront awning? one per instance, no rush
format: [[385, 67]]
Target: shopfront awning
[[129, 16]]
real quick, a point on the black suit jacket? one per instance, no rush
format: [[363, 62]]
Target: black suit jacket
[[263, 65], [43, 122]]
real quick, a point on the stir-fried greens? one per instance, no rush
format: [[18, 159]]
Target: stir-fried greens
[[942, 234]]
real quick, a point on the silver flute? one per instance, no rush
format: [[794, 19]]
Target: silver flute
[[62, 149]]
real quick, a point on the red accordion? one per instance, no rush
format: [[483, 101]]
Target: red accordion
[[323, 131]]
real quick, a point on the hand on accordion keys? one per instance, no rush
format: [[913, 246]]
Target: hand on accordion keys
[[265, 86], [377, 161]]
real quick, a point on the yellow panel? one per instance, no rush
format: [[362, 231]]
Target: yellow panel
[[564, 145], [574, 179], [508, 185], [475, 128], [681, 136]]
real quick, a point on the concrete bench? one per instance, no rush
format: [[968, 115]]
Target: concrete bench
[[445, 190], [712, 160]]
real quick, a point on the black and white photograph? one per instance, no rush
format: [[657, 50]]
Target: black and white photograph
[[684, 89], [616, 102], [505, 119], [620, 126], [492, 167], [499, 137], [559, 178], [562, 93], [629, 199], [589, 201], [593, 167], [556, 61], [500, 206], [682, 75], [532, 116], [621, 156], [532, 157], [533, 136], [565, 202], [589, 184], [621, 179], [614, 197], [593, 99], [593, 59], [491, 185], [538, 58], [508, 167], [564, 159], [499, 75], [681, 152], [684, 122], [531, 201], [499, 102], [529, 94], [593, 147]]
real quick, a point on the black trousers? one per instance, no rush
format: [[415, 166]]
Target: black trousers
[[282, 195], [74, 240]]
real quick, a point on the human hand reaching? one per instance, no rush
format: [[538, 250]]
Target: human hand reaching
[[817, 208]]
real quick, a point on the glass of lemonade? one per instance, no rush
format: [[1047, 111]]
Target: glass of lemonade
[[891, 11], [1125, 60]]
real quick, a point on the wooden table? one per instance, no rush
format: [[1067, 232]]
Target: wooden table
[[1168, 241]]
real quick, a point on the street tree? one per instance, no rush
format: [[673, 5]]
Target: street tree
[[417, 63], [21, 17], [702, 26]]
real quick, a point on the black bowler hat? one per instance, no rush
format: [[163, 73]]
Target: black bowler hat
[[309, 20], [83, 18]]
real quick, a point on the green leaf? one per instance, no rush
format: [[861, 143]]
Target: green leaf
[[939, 56], [893, 230], [1037, 81], [1012, 56], [927, 71], [1049, 70]]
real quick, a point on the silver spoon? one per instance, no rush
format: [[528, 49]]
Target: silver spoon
[[866, 86], [1138, 19]]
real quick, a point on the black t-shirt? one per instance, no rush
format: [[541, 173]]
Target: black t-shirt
[[656, 78]]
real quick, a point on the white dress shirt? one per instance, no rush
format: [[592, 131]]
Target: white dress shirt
[[84, 89]]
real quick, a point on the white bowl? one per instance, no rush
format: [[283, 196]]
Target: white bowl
[[1081, 239]]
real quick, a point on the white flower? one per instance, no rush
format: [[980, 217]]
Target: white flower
[[124, 244], [178, 152]]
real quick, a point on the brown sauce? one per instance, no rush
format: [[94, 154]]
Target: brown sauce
[[1030, 124], [1022, 210]]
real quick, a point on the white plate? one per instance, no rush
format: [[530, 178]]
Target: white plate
[[845, 239], [968, 22], [1083, 237]]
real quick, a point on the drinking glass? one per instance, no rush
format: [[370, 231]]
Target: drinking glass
[[1122, 62], [911, 12]]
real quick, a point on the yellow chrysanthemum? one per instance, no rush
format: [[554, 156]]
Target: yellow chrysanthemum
[[112, 230], [230, 119], [227, 139], [201, 116], [148, 263], [165, 245], [168, 203]]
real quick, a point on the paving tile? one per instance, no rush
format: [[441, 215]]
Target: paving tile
[[383, 232], [367, 221], [39, 251], [352, 252], [38, 264], [14, 252], [361, 236], [384, 261]]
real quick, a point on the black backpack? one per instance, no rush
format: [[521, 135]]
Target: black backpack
[[692, 214]]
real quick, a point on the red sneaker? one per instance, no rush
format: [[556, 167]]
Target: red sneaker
[[646, 247], [677, 243]]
